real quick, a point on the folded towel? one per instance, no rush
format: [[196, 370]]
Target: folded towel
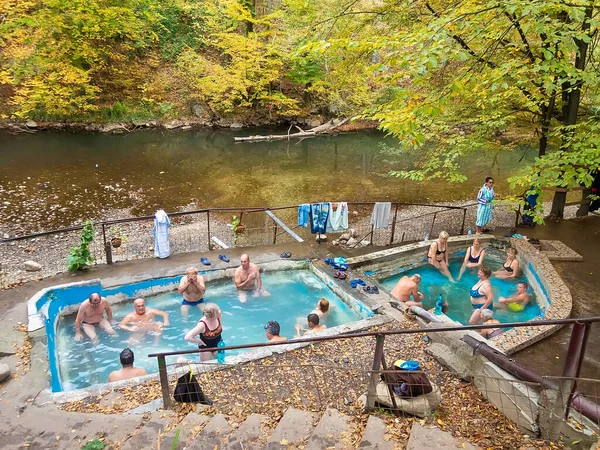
[[337, 221], [303, 211], [381, 214], [162, 223]]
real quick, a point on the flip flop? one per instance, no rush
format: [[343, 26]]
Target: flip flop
[[360, 282], [336, 275], [336, 266], [328, 261], [343, 267], [353, 284], [286, 255], [223, 258], [205, 261], [342, 276], [340, 260], [374, 290], [367, 289]]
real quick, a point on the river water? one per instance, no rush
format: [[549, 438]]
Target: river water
[[55, 179]]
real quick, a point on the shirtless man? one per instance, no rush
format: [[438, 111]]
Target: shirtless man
[[407, 287], [313, 326], [141, 320], [193, 288], [272, 330], [90, 314], [247, 278], [517, 302], [128, 371]]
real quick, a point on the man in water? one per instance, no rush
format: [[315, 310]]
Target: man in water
[[407, 288], [142, 320], [247, 278], [90, 314], [313, 326], [272, 330], [193, 288], [517, 302], [128, 371]]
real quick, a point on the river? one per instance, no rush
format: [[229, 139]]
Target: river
[[55, 179]]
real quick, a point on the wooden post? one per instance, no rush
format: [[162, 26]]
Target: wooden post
[[208, 227], [107, 247], [164, 382], [394, 224], [275, 234], [377, 360]]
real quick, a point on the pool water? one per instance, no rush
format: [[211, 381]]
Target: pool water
[[294, 294], [456, 294]]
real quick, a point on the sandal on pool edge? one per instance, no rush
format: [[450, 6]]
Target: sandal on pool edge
[[342, 276]]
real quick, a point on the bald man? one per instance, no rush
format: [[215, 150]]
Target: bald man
[[192, 287], [90, 314], [247, 279], [142, 320]]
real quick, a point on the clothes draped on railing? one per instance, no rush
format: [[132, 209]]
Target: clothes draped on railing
[[303, 212], [381, 214], [161, 234], [318, 217], [337, 222]]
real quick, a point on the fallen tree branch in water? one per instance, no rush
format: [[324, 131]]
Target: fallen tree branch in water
[[326, 128]]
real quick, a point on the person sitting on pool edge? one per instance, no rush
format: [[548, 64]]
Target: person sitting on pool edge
[[473, 257], [481, 294], [438, 255], [193, 288], [406, 291], [488, 318], [272, 330], [322, 308], [517, 302], [313, 326], [90, 314], [247, 278], [128, 371]]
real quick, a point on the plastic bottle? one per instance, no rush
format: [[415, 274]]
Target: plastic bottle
[[439, 303], [426, 238], [221, 353], [470, 231]]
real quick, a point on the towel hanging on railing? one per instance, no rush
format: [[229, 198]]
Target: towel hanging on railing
[[303, 211], [318, 217], [162, 223], [337, 221], [381, 214]]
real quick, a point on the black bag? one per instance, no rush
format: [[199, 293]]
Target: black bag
[[188, 390]]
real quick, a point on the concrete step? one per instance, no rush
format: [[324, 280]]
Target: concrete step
[[422, 438], [294, 428], [329, 432], [190, 426], [213, 436], [250, 435], [373, 436], [147, 436]]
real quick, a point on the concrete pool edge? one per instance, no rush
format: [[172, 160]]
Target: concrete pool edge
[[550, 283]]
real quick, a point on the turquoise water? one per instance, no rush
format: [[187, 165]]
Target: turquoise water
[[294, 294], [434, 283]]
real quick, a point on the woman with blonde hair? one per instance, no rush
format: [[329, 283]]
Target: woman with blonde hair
[[208, 331], [473, 257], [438, 255], [322, 308]]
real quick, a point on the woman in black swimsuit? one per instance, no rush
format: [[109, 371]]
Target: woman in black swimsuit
[[208, 331], [473, 257], [438, 255], [510, 268]]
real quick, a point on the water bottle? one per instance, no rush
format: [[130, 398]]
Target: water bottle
[[470, 231], [221, 353], [439, 304], [426, 238]]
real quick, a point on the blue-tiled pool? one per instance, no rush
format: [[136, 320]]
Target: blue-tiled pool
[[77, 365]]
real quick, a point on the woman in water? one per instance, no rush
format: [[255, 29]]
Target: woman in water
[[510, 268], [481, 294], [473, 257], [208, 331], [484, 211], [438, 255], [322, 308]]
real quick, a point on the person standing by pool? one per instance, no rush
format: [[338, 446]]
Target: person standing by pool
[[485, 197], [90, 314], [272, 330], [510, 268], [517, 302], [313, 326], [128, 371], [247, 278], [207, 333], [407, 288], [193, 288], [438, 255], [473, 257], [481, 294], [141, 320]]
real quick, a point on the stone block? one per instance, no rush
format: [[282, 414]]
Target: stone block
[[329, 432], [423, 438], [294, 427], [373, 437]]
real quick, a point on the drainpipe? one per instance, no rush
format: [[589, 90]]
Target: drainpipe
[[579, 402], [424, 314]]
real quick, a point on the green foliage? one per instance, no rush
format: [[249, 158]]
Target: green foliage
[[176, 439], [96, 444], [80, 257]]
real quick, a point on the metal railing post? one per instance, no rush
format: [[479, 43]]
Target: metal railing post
[[107, 246], [574, 360], [164, 382], [394, 224], [432, 224], [462, 227], [275, 234], [374, 380], [208, 227]]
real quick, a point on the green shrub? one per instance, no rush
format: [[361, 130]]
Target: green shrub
[[96, 444], [79, 257]]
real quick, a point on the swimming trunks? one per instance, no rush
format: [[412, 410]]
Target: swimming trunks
[[89, 323], [473, 259], [186, 303], [211, 337], [515, 307]]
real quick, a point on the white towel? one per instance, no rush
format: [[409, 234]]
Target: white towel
[[337, 221], [161, 234], [381, 214]]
